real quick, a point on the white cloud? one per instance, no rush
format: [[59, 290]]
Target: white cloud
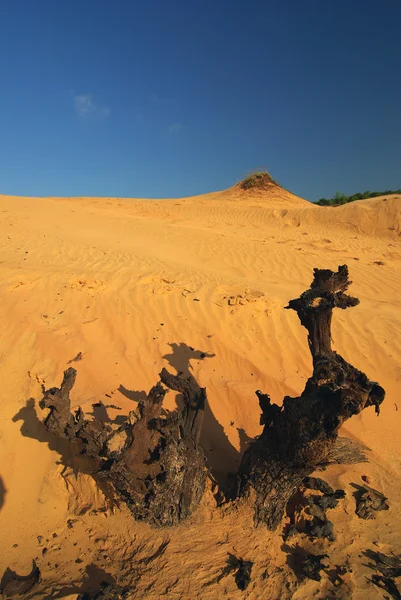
[[175, 127], [85, 106]]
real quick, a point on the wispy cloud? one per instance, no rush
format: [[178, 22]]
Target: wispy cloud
[[175, 127], [85, 106]]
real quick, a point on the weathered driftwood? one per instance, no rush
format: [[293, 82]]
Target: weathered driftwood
[[369, 501], [153, 460], [347, 452], [307, 511], [302, 433]]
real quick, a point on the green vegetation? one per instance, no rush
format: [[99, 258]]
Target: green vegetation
[[339, 199], [258, 180]]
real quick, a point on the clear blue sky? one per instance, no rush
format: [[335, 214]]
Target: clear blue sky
[[168, 98]]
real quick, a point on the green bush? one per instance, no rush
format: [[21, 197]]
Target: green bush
[[258, 180], [340, 199]]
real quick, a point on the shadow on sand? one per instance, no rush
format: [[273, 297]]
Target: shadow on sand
[[71, 456], [94, 581], [221, 455], [222, 458], [133, 395], [244, 441], [32, 427], [3, 492]]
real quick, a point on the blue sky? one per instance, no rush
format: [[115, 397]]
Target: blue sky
[[168, 98]]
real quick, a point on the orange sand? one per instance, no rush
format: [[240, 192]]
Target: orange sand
[[132, 285]]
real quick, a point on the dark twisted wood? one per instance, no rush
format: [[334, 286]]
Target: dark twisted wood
[[153, 460], [302, 433]]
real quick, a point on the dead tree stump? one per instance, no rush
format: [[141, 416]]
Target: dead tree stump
[[302, 433], [153, 460]]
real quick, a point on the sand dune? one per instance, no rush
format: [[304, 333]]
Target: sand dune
[[135, 285]]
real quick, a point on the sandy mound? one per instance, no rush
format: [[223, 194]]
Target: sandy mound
[[120, 288]]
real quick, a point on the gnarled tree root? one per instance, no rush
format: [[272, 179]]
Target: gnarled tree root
[[153, 460], [302, 433]]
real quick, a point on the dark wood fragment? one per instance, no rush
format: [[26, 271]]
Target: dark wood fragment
[[305, 505], [347, 452], [369, 501], [315, 483]]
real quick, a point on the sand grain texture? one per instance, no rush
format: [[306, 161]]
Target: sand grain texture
[[129, 286]]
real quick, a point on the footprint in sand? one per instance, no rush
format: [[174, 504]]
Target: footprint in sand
[[243, 298], [87, 284], [162, 285], [49, 318]]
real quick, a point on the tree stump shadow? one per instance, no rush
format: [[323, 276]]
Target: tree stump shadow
[[71, 456], [221, 455]]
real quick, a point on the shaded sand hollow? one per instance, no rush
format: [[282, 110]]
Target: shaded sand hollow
[[130, 286]]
